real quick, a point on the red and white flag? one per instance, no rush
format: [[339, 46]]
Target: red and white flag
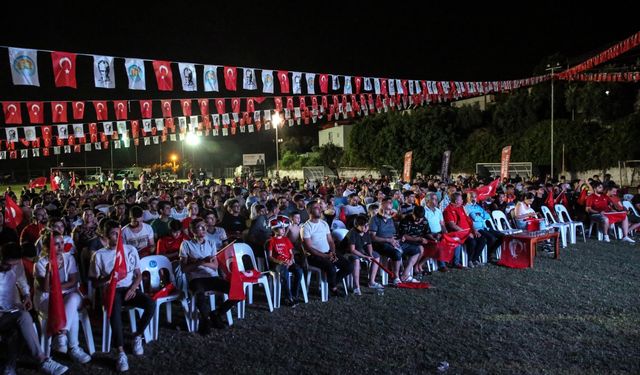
[[487, 191], [56, 316], [78, 110], [118, 273], [38, 183], [230, 78], [515, 253], [251, 105], [59, 111], [145, 108], [283, 77], [204, 107], [12, 113], [12, 212], [36, 112], [186, 107], [164, 76], [166, 108], [64, 69], [358, 81], [235, 105], [120, 106], [101, 109], [220, 107], [324, 83]]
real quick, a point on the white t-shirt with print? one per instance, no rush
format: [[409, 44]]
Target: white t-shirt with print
[[138, 240], [40, 270], [103, 260]]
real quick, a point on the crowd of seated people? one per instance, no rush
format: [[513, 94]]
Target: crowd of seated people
[[386, 221]]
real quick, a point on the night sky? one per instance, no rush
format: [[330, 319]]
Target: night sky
[[396, 39]]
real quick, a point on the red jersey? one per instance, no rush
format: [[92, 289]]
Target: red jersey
[[458, 215], [168, 244], [598, 202], [280, 248]]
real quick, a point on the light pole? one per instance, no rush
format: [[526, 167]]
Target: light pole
[[552, 69], [173, 158], [276, 121]]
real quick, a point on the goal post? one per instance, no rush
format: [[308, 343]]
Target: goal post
[[82, 173]]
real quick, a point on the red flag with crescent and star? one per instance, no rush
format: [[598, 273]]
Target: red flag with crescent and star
[[64, 69], [164, 76], [36, 112], [230, 78]]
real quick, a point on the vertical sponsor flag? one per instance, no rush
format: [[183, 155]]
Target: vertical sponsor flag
[[210, 78], [24, 66], [267, 81], [504, 162], [164, 76], [188, 75], [444, 170], [64, 69], [406, 174], [135, 74], [249, 79], [103, 73]]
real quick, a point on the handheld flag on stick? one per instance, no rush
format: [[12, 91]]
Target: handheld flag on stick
[[57, 318], [118, 273]]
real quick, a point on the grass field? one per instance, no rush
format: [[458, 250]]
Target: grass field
[[576, 315]]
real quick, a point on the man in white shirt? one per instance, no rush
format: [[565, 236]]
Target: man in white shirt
[[127, 293], [138, 233], [14, 315], [152, 212], [179, 212], [322, 252]]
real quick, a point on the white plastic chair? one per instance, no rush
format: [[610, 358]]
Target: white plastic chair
[[551, 222], [337, 224], [191, 313], [277, 285], [339, 235], [629, 207], [153, 264], [241, 250], [106, 327], [85, 323], [563, 217], [502, 223], [322, 280]]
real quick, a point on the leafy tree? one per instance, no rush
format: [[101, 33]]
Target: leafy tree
[[330, 156]]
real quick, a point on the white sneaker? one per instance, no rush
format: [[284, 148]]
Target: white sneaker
[[60, 343], [122, 364], [376, 286], [606, 239], [628, 239], [137, 345], [357, 292], [51, 367], [396, 281], [78, 355]]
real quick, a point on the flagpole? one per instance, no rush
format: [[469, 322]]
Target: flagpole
[[552, 69]]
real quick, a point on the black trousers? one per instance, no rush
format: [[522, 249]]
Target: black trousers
[[493, 239], [140, 300], [474, 247], [335, 271], [206, 284]]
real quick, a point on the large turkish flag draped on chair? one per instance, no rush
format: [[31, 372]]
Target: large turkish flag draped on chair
[[56, 316], [164, 76], [12, 113], [230, 78], [515, 253], [118, 273], [444, 249], [12, 212], [64, 69], [36, 112]]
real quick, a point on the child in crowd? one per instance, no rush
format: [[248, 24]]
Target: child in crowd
[[357, 243], [280, 252]]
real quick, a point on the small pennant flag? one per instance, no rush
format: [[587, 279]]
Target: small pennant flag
[[12, 113], [188, 75], [283, 77], [249, 79], [310, 79], [230, 78], [267, 81], [164, 76]]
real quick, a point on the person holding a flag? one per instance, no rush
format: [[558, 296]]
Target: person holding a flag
[[116, 268], [65, 340], [198, 260], [14, 315]]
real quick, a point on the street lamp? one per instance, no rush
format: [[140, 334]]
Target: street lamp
[[193, 140], [552, 69], [173, 158], [276, 122]]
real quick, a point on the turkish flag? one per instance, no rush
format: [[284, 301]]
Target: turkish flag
[[78, 110], [204, 107], [303, 103], [12, 113], [186, 106], [64, 69], [358, 84], [324, 83], [146, 109], [101, 109], [235, 105], [164, 76], [250, 105], [325, 103], [230, 78], [405, 87], [444, 249], [120, 106], [488, 191], [118, 273], [290, 103], [278, 103], [220, 107], [383, 87], [93, 132], [283, 77], [56, 316], [135, 129], [515, 253], [38, 183], [314, 102], [59, 111], [166, 108], [12, 212], [45, 151], [36, 112]]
